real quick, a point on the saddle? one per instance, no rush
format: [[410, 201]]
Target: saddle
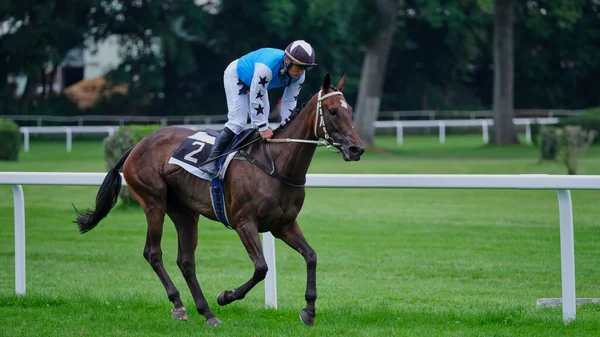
[[237, 142]]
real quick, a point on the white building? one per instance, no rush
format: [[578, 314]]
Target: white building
[[106, 58], [96, 62]]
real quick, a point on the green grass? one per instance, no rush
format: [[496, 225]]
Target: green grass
[[391, 262]]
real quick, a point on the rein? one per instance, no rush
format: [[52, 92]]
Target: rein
[[326, 140], [271, 171], [320, 121]]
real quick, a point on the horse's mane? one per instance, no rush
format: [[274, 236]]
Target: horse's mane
[[294, 114], [288, 120]]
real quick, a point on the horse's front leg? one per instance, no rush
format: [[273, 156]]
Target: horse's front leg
[[292, 235], [248, 233]]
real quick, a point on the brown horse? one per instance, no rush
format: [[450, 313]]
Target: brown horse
[[255, 202]]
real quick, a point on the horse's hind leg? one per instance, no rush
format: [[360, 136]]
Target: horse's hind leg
[[248, 233], [186, 223], [292, 235], [153, 202]]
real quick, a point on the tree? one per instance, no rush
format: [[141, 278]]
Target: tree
[[436, 44], [373, 71], [556, 43], [40, 34], [435, 54], [504, 129], [157, 51]]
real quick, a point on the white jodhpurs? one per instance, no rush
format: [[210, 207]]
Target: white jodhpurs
[[237, 105]]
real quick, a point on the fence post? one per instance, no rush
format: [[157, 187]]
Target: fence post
[[442, 132], [485, 134], [69, 138], [19, 204], [567, 255], [528, 130], [399, 133], [271, 278], [26, 138]]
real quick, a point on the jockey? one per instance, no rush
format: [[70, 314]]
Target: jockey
[[247, 81]]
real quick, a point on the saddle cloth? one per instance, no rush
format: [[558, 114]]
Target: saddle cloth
[[194, 150]]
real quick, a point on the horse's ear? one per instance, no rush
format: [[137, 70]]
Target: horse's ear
[[341, 83], [326, 82]]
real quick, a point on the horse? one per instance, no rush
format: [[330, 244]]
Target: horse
[[257, 200]]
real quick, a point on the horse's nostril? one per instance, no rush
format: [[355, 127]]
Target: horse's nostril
[[355, 150]]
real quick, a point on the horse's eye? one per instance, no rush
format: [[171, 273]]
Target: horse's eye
[[333, 112]]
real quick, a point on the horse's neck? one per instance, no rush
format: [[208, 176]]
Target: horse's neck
[[293, 159]]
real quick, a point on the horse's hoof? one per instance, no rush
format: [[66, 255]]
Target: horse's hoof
[[221, 300], [307, 318], [213, 321], [179, 313]]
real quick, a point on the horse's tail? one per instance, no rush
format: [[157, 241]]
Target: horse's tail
[[106, 199]]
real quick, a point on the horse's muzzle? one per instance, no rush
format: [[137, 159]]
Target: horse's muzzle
[[352, 153]]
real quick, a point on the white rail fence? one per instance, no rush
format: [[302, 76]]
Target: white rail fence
[[442, 124], [67, 130], [222, 118], [399, 125], [561, 183]]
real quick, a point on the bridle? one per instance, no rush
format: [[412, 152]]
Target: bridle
[[319, 115], [326, 140]]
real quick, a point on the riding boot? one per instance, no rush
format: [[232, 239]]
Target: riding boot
[[220, 144]]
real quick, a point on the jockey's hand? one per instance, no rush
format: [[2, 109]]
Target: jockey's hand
[[267, 134]]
